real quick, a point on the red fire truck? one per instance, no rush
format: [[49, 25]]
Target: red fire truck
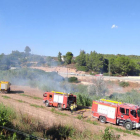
[[127, 115], [59, 99]]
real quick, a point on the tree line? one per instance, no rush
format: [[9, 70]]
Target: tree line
[[93, 62], [117, 65], [23, 59]]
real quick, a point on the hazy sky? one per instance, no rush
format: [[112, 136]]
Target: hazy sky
[[50, 26]]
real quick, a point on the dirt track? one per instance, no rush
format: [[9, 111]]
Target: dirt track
[[85, 76], [22, 98]]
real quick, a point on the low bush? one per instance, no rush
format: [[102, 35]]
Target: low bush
[[83, 99], [73, 79], [60, 132], [116, 74], [98, 87], [80, 117], [132, 97], [91, 73], [6, 115], [105, 74], [123, 84], [109, 135], [82, 68]]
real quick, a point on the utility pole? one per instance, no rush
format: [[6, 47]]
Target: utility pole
[[67, 72], [109, 67]]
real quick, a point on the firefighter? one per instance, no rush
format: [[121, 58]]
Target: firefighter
[[74, 106], [71, 108]]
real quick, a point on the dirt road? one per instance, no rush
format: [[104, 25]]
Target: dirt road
[[29, 100], [84, 76]]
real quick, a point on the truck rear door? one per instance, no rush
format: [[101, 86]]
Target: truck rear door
[[4, 86]]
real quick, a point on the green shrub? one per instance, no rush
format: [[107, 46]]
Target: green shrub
[[123, 84], [73, 79], [52, 109], [83, 100], [60, 132], [91, 73], [105, 74], [82, 68], [73, 61], [6, 115], [132, 97], [98, 87], [95, 123], [109, 135], [80, 117]]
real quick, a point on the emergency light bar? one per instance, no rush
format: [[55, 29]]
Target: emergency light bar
[[58, 92], [115, 102]]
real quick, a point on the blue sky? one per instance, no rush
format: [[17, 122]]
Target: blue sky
[[50, 26]]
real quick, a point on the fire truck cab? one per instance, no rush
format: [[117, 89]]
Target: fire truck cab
[[127, 115], [59, 99]]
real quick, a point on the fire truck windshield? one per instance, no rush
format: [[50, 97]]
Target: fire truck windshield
[[138, 113]]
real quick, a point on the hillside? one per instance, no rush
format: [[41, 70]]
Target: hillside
[[93, 63]]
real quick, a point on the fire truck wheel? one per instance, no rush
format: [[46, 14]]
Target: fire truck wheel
[[47, 104], [59, 106], [128, 125], [102, 119]]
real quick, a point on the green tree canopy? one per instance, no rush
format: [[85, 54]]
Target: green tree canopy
[[92, 61], [81, 59], [122, 65], [95, 61], [68, 57], [59, 57], [27, 49]]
